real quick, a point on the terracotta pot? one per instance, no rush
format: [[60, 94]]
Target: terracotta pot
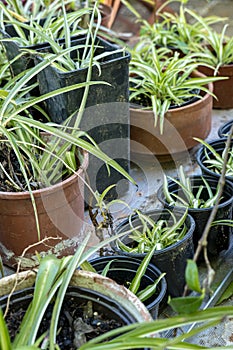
[[223, 89], [61, 215], [181, 125], [106, 12]]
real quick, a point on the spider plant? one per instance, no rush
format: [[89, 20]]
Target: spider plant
[[40, 162], [46, 30], [153, 235], [133, 336], [29, 9], [189, 198], [133, 285], [52, 279], [214, 159], [160, 82], [177, 31], [73, 61], [216, 50], [5, 73]]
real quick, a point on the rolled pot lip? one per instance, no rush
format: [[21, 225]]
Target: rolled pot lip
[[27, 278], [221, 129], [154, 269], [161, 251], [51, 189], [162, 200], [200, 153], [119, 257]]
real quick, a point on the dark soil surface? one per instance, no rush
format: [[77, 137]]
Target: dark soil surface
[[11, 168], [78, 322]]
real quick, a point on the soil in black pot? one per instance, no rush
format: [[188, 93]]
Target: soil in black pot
[[80, 320]]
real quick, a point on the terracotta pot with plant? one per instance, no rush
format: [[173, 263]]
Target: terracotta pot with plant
[[44, 177], [215, 56], [84, 304], [171, 102], [177, 31]]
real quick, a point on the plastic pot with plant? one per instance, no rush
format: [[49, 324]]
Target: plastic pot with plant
[[141, 277], [210, 158], [144, 334], [224, 129], [168, 234], [198, 194], [110, 64], [171, 102], [36, 33]]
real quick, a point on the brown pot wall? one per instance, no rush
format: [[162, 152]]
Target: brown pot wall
[[61, 215], [223, 89], [180, 126], [106, 12]]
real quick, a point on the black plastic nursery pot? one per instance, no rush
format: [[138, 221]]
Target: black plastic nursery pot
[[106, 115], [173, 259], [224, 130], [123, 269], [13, 48], [112, 69], [106, 313], [219, 236], [202, 154]]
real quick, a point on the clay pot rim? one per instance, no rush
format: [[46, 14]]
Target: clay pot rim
[[63, 184], [83, 279]]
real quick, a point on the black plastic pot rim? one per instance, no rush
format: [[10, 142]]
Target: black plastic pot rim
[[122, 55], [167, 249], [152, 268], [200, 157], [101, 299], [221, 132], [195, 210]]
